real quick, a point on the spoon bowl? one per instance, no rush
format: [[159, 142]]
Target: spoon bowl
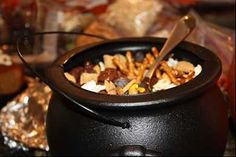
[[180, 31]]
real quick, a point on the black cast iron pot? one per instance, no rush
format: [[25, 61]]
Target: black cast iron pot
[[186, 120]]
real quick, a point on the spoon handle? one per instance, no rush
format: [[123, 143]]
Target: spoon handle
[[180, 31]]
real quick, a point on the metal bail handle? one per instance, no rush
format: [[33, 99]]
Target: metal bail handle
[[95, 115]]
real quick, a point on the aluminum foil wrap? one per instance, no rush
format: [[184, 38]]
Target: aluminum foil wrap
[[23, 119]]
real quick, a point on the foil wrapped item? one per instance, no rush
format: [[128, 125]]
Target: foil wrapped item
[[24, 118]]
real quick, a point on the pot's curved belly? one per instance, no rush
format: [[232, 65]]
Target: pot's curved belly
[[197, 126]]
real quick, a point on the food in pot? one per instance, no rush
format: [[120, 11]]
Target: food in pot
[[126, 74]]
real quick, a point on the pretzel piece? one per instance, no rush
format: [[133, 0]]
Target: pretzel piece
[[121, 64], [131, 66], [110, 87], [155, 52], [126, 88], [141, 71], [168, 70], [158, 73], [189, 76], [150, 58]]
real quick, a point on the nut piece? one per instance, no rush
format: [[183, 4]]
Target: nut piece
[[185, 66]]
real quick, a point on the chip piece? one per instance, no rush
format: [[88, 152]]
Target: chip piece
[[86, 77], [70, 77], [93, 87], [108, 61]]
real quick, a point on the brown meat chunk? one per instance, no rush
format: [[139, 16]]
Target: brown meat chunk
[[108, 74]]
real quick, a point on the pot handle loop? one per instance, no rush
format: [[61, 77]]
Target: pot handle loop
[[134, 150], [97, 116]]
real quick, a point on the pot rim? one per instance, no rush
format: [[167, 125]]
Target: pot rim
[[211, 70]]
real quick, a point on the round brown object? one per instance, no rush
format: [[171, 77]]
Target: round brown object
[[108, 74], [11, 79], [185, 66]]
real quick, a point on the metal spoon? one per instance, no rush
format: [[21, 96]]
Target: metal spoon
[[180, 31]]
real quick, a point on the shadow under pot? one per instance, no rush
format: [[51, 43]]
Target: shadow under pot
[[189, 119]]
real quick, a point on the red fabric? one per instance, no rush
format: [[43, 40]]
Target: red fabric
[[231, 89], [8, 6], [184, 2], [98, 9]]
